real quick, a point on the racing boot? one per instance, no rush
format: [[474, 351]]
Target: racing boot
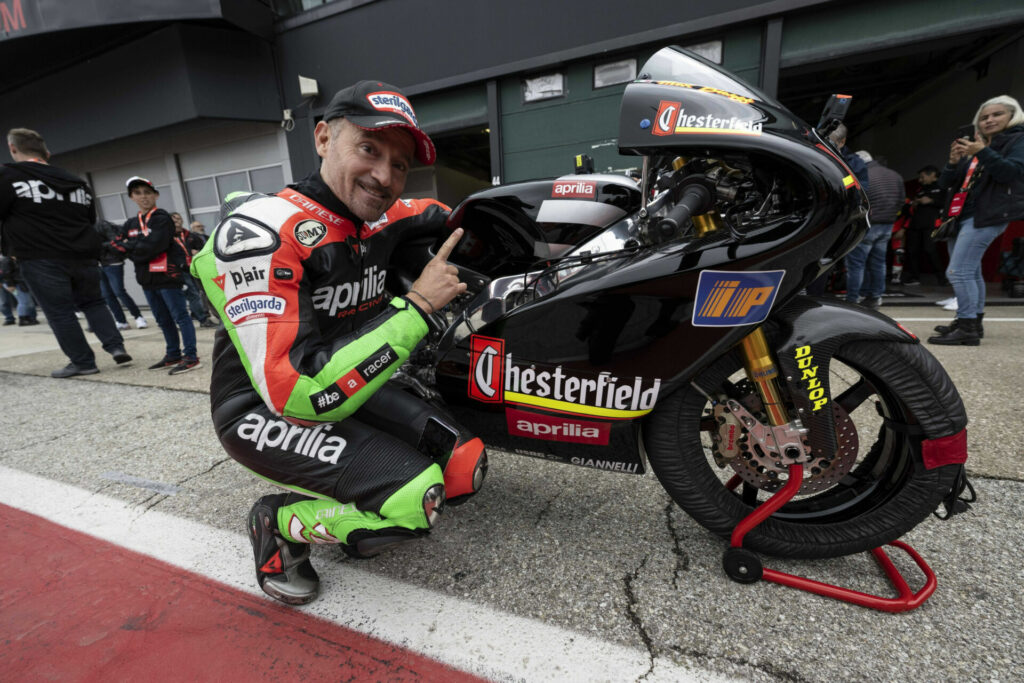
[[946, 329], [964, 334], [283, 569]]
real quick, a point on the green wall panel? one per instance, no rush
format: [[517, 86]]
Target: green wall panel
[[452, 109], [855, 27], [541, 139]]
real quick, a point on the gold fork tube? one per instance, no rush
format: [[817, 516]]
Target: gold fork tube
[[761, 370]]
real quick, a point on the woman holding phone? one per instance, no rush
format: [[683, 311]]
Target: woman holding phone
[[986, 173]]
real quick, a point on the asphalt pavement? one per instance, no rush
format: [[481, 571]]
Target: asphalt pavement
[[606, 555]]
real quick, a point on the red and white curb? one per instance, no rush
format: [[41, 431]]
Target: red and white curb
[[465, 635]]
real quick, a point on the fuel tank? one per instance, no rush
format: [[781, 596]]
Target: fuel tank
[[509, 229]]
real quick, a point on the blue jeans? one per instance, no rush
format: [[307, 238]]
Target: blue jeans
[[865, 265], [7, 304], [171, 313], [60, 286], [26, 305], [964, 270], [112, 286]]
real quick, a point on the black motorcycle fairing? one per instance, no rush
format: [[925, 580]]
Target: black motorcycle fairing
[[509, 229], [805, 334]]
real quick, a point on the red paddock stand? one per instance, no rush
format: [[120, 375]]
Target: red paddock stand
[[745, 567]]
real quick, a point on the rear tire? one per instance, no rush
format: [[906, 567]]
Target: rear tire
[[887, 491]]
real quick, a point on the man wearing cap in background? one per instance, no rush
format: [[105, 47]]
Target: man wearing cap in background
[[160, 267], [47, 215], [311, 336]]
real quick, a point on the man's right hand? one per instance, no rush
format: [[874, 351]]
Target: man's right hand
[[439, 282]]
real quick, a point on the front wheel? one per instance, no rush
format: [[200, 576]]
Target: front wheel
[[883, 489]]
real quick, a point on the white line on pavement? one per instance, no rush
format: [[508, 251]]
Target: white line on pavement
[[465, 635], [946, 319]]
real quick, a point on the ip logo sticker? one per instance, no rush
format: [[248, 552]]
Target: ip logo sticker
[[730, 299]]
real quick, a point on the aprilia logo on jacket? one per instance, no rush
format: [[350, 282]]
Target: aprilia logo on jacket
[[346, 298], [38, 192]]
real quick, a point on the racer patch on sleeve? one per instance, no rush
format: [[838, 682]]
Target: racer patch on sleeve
[[241, 237], [354, 380], [729, 299]]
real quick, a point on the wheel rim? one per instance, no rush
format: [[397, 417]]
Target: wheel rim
[[883, 461]]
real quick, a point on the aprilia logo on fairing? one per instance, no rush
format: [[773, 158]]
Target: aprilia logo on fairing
[[575, 189], [672, 119], [393, 102], [729, 299], [495, 378], [809, 376], [253, 306], [38, 192], [551, 428], [337, 298], [310, 442]]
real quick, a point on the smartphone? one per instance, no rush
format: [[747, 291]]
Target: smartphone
[[966, 131]]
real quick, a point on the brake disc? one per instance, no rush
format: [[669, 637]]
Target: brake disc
[[768, 470]]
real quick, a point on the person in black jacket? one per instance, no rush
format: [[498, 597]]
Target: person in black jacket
[[924, 210], [865, 264], [193, 291], [986, 174], [112, 282], [47, 215], [160, 267]]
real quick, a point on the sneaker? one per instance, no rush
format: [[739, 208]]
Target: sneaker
[[950, 305], [12, 321], [121, 356], [208, 323], [25, 322], [140, 323], [70, 370], [871, 301], [912, 283], [187, 363], [166, 362], [122, 326], [946, 302], [283, 569]]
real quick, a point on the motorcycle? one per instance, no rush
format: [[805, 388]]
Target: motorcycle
[[617, 324]]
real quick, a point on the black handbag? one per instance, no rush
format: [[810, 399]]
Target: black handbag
[[947, 229]]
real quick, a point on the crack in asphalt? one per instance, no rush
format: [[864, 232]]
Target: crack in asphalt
[[682, 559], [634, 617], [206, 471], [770, 669]]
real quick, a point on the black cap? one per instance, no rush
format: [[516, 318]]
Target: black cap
[[372, 105], [135, 181]]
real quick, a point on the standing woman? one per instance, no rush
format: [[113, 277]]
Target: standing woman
[[987, 173]]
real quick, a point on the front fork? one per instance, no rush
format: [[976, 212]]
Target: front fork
[[761, 370]]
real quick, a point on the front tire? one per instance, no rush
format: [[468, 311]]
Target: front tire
[[887, 490]]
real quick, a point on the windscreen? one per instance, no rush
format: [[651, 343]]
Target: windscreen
[[679, 65]]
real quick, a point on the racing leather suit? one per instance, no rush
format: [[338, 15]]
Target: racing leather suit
[[300, 391]]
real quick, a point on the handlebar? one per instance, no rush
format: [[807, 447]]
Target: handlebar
[[697, 197]]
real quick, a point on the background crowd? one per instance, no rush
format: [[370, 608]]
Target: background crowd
[[59, 256]]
